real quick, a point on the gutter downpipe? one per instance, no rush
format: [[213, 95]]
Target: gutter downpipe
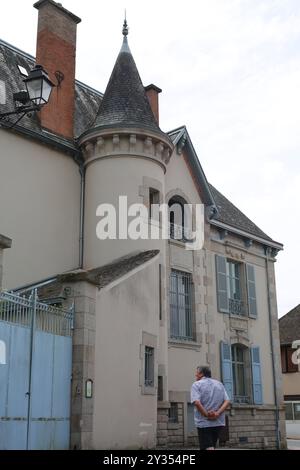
[[272, 352], [81, 230]]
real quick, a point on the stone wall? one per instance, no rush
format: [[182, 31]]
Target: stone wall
[[170, 434], [82, 406], [254, 428], [249, 427]]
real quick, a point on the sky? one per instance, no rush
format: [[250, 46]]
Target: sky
[[230, 72]]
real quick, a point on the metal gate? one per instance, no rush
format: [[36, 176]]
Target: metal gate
[[35, 374]]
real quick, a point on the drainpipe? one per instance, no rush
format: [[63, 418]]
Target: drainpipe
[[272, 352], [81, 230]]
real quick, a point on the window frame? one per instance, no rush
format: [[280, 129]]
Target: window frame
[[177, 306], [149, 366], [246, 396]]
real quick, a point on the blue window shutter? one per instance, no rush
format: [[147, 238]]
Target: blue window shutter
[[226, 367], [256, 376], [222, 293], [251, 290]]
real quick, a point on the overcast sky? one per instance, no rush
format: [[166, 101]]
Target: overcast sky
[[230, 71]]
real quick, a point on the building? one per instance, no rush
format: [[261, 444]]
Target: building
[[147, 312], [289, 330]]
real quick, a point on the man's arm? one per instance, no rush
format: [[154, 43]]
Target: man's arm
[[200, 408], [222, 408]]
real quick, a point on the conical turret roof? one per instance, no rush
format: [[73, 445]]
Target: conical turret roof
[[125, 103]]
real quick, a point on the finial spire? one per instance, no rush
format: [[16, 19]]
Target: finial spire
[[125, 27]]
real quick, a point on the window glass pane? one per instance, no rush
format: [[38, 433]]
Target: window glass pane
[[240, 379], [233, 280], [181, 298], [297, 411], [240, 354], [289, 411], [238, 372], [149, 366]]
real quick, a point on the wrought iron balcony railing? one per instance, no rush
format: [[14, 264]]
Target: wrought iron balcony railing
[[237, 307]]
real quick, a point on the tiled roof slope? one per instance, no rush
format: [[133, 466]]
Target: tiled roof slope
[[229, 214], [104, 275], [100, 277], [289, 326], [125, 103], [87, 100]]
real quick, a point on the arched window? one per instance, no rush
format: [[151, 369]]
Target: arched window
[[179, 219]]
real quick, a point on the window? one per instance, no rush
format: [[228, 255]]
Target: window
[[292, 411], [289, 411], [241, 373], [238, 373], [154, 198], [149, 366], [173, 413], [181, 302], [236, 293], [179, 219], [286, 359]]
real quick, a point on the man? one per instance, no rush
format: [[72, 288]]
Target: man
[[211, 400]]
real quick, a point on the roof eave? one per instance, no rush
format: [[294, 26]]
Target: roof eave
[[263, 241]]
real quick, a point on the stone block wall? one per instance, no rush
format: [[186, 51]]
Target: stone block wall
[[249, 427], [170, 434]]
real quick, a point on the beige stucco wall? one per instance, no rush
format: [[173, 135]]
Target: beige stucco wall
[[125, 313], [39, 210], [106, 180], [179, 177], [291, 383]]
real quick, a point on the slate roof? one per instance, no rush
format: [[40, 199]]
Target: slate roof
[[229, 214], [289, 326], [87, 100], [125, 103], [104, 275], [100, 277]]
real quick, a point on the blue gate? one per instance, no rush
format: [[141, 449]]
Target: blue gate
[[35, 374]]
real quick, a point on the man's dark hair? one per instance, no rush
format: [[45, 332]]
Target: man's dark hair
[[204, 370]]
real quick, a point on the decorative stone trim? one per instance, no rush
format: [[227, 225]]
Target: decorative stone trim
[[126, 142]]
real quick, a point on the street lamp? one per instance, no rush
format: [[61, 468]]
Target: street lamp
[[37, 94]]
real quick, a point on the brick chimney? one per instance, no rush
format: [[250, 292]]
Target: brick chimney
[[152, 92], [56, 52]]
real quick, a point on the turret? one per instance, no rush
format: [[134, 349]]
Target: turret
[[125, 154]]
